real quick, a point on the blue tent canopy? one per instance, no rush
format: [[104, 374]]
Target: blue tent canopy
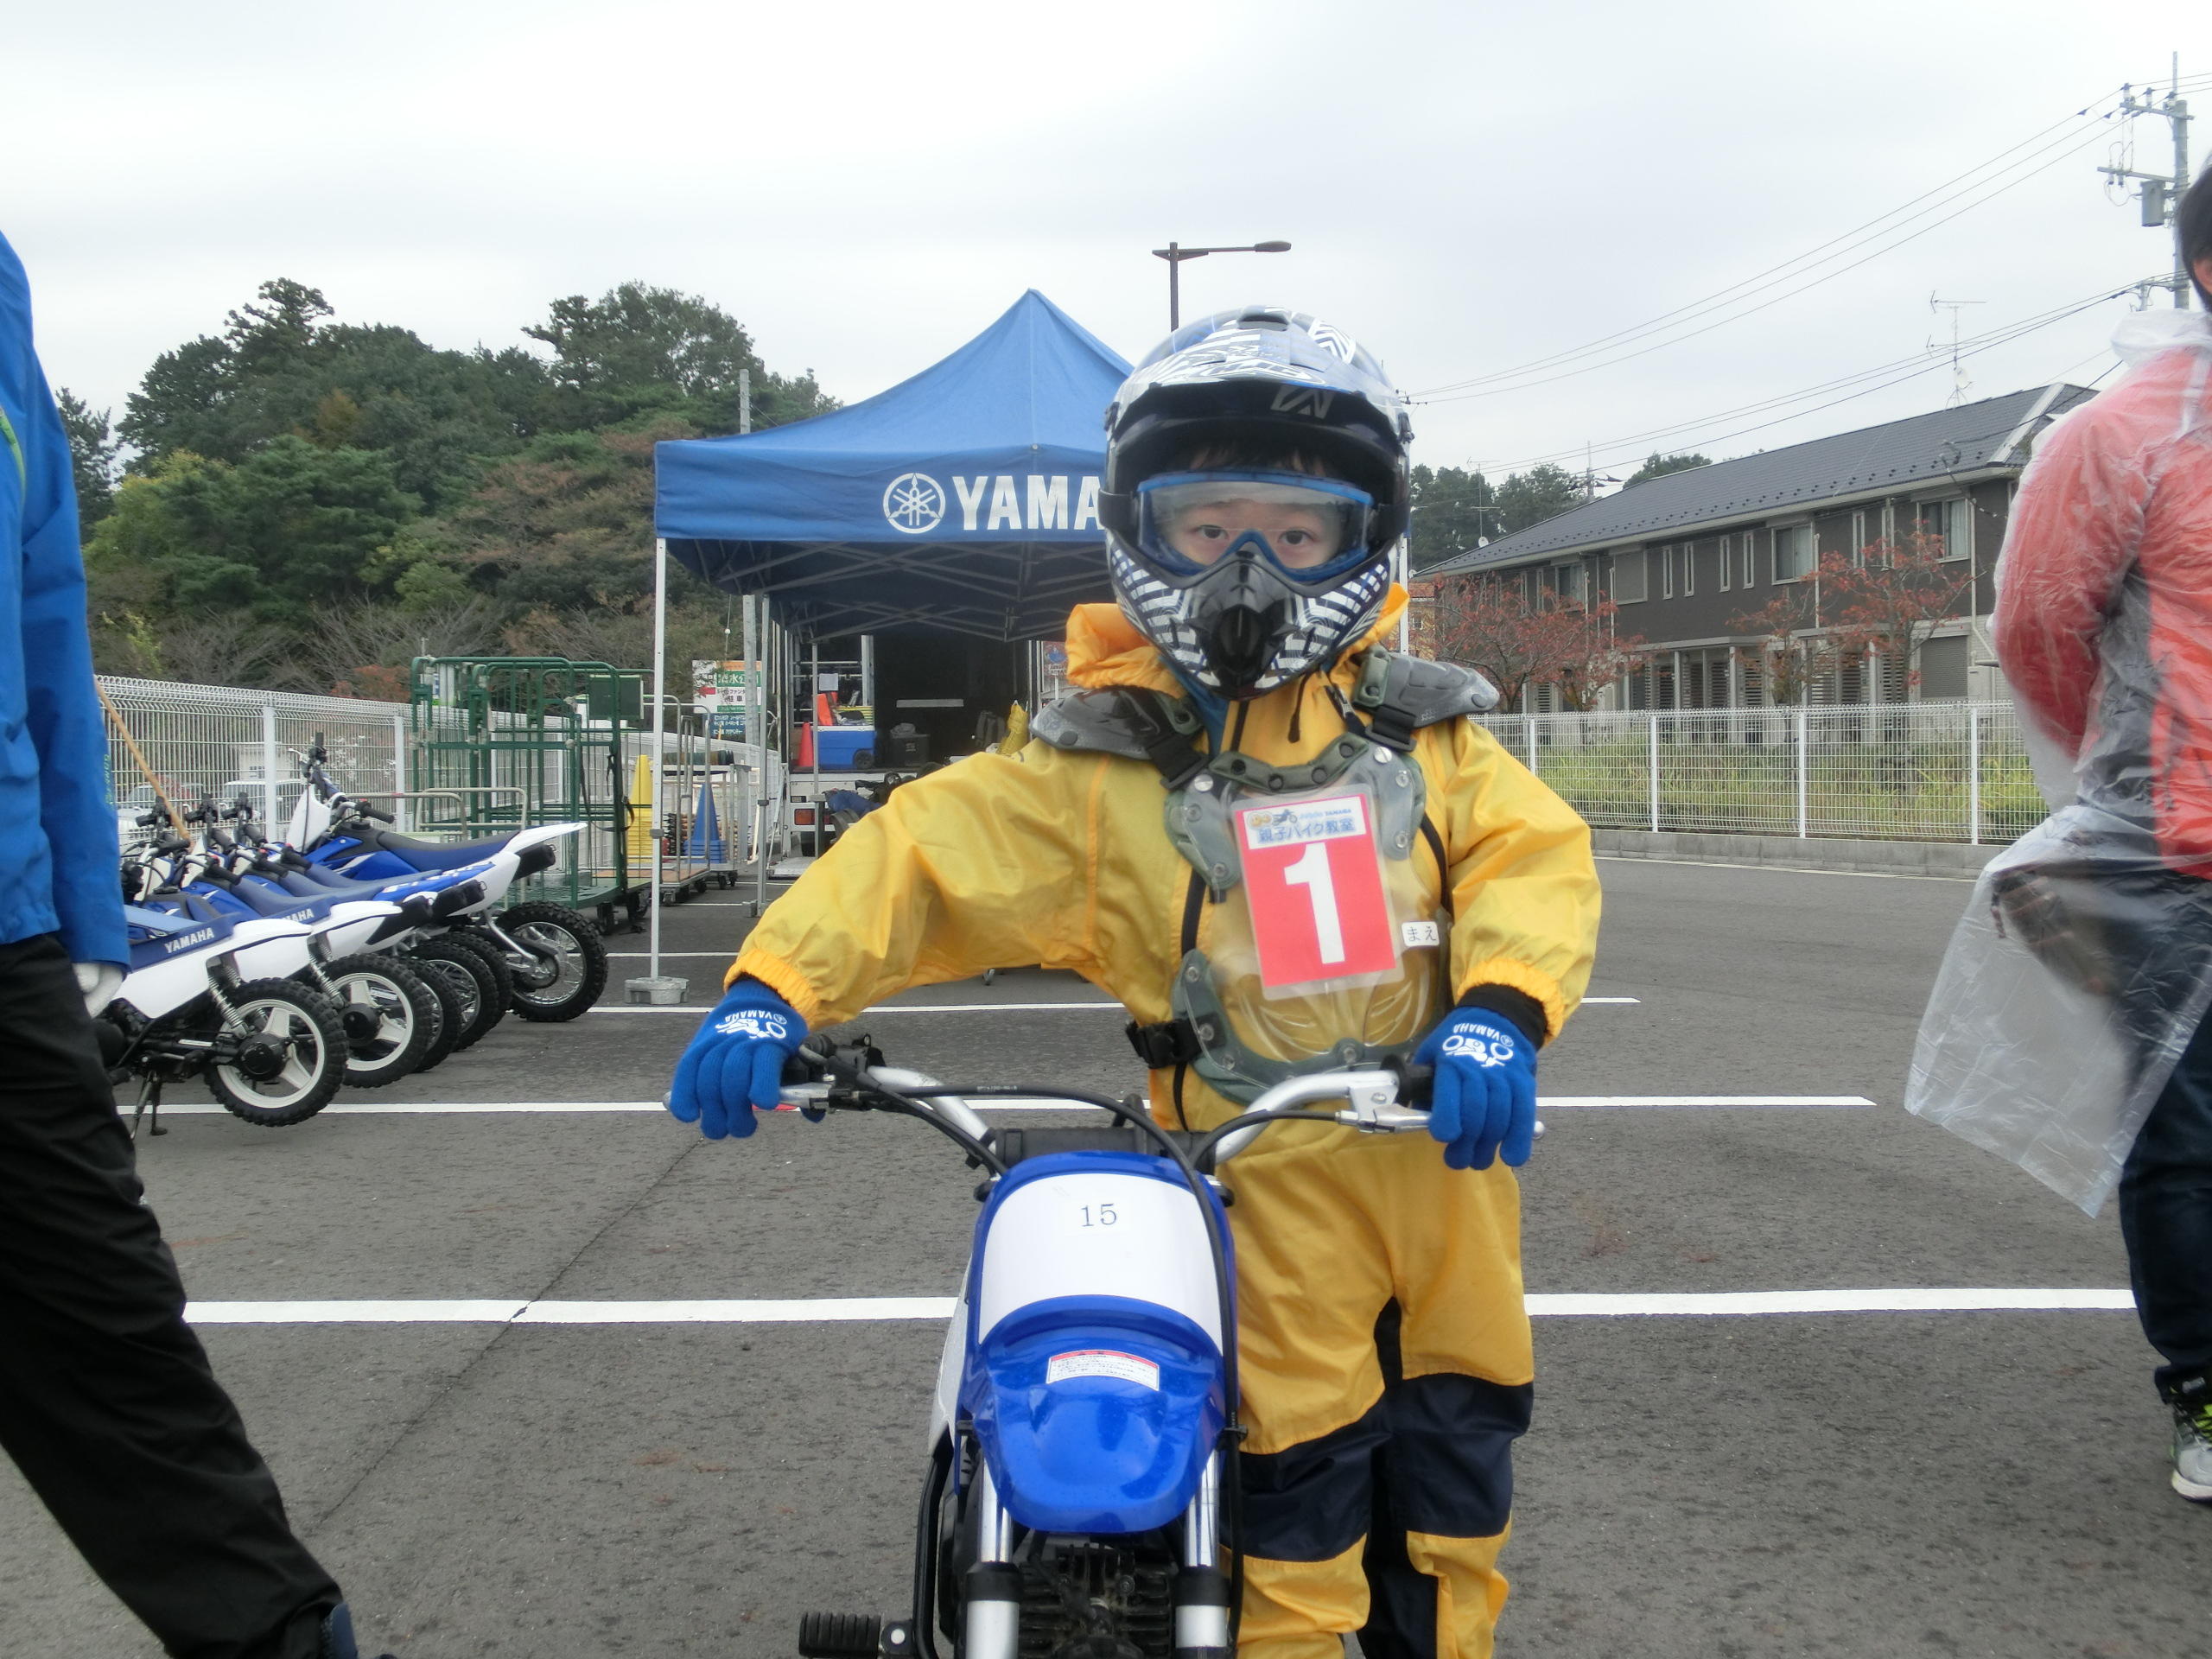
[[965, 498]]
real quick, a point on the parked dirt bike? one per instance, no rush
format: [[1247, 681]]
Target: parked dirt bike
[[548, 962], [215, 998], [397, 1020], [1081, 1496]]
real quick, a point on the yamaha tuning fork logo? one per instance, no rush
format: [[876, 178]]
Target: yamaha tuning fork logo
[[914, 503]]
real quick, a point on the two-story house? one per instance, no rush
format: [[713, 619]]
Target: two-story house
[[1688, 555]]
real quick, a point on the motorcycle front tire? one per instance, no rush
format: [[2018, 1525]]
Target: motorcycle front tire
[[448, 1014], [306, 1023], [467, 972], [408, 1017], [579, 961], [495, 960]]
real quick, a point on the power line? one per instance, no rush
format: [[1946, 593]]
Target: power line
[[1623, 447], [2037, 144], [1923, 360], [1749, 311]]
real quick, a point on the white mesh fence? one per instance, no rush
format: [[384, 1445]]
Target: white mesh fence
[[1900, 771], [213, 740]]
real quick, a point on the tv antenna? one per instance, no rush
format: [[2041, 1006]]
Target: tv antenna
[[1959, 384]]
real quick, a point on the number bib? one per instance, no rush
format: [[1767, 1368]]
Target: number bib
[[1314, 877]]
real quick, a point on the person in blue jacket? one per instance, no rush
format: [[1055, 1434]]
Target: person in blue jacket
[[107, 1403]]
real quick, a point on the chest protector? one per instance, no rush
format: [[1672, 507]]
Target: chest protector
[[1324, 936]]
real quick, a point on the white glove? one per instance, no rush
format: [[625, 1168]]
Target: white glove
[[99, 981]]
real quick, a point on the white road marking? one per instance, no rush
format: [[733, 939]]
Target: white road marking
[[951, 1007], [1011, 1103], [1906, 1301], [1571, 1101], [886, 1008], [1778, 869], [848, 1309]]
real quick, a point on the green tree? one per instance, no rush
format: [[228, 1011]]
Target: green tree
[[1454, 509], [568, 524], [1543, 492], [289, 528], [639, 351], [1659, 465], [93, 448]]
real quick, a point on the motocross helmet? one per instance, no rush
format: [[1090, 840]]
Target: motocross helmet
[[1256, 484]]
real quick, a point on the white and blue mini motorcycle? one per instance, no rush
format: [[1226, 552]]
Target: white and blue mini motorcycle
[[1080, 1501], [216, 997]]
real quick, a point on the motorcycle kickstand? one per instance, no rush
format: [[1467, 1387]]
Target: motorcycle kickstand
[[149, 1100]]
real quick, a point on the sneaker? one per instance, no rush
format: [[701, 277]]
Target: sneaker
[[338, 1631], [2193, 1450]]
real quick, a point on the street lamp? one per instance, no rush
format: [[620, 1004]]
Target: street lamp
[[1174, 253]]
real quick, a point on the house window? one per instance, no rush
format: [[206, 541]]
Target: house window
[[1689, 569], [1747, 544], [1951, 520], [1666, 573], [1859, 537], [1631, 582], [1567, 582], [1793, 552], [1727, 560]]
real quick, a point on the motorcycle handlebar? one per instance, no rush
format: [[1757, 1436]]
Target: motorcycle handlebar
[[368, 811], [1387, 1099]]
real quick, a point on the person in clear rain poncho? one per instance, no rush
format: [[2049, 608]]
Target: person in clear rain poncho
[[2066, 1030]]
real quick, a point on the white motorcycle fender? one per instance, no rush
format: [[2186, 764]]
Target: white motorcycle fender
[[310, 817], [257, 949], [944, 1404], [353, 926], [269, 948]]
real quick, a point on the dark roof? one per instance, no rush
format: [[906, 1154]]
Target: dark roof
[[1896, 454]]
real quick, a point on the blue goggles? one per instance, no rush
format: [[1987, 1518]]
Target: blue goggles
[[1311, 529]]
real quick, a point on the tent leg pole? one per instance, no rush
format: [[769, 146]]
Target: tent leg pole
[[814, 712], [660, 678]]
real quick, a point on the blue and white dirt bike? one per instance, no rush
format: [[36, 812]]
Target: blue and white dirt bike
[[214, 997], [548, 962], [1081, 1496], [400, 1015]]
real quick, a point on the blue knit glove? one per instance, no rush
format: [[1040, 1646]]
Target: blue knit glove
[[1484, 1099], [736, 1061]]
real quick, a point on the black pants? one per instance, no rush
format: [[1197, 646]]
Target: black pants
[[2165, 1215], [1435, 1455], [107, 1403]]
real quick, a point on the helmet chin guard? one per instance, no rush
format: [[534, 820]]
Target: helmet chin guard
[[1242, 629], [1262, 400]]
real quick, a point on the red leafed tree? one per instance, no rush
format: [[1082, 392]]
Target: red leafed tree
[[1895, 599], [1789, 660], [1490, 625]]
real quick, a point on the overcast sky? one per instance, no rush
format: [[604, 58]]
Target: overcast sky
[[1469, 186]]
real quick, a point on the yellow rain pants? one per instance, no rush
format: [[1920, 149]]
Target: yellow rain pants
[[1386, 1353]]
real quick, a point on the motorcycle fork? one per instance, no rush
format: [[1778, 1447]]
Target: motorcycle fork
[[992, 1618], [518, 954], [1201, 1588]]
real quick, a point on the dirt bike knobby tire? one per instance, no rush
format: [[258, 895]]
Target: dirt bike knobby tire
[[550, 923]]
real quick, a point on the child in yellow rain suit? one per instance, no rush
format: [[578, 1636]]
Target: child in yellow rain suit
[[1281, 848]]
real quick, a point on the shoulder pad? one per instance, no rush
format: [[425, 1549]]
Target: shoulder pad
[[1414, 692], [1097, 719]]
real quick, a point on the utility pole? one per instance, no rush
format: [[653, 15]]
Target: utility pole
[[2158, 192]]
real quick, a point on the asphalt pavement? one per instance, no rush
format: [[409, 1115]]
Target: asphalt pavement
[[687, 1484]]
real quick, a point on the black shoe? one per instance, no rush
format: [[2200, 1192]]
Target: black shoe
[[337, 1636]]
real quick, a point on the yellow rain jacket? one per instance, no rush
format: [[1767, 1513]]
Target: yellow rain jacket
[[1380, 1300]]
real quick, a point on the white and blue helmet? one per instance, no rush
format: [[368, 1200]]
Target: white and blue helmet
[[1276, 406]]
